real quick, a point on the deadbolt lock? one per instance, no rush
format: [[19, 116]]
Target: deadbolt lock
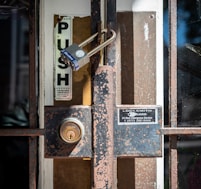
[[71, 130]]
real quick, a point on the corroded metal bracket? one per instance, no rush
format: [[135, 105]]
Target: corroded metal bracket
[[136, 131], [118, 130], [55, 147]]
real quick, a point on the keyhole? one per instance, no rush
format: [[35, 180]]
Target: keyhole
[[70, 135]]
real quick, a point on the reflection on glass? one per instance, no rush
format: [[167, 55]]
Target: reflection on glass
[[14, 72], [189, 67], [189, 90]]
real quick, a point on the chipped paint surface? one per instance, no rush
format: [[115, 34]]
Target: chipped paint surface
[[135, 139], [103, 112], [146, 31], [54, 146]]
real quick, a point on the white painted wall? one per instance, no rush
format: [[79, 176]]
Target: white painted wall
[[124, 5], [82, 8], [147, 5]]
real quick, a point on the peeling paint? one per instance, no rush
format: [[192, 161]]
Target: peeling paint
[[103, 141], [54, 146], [146, 32]]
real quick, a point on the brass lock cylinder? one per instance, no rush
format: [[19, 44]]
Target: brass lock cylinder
[[71, 130]]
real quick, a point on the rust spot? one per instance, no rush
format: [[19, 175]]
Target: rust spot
[[103, 115]]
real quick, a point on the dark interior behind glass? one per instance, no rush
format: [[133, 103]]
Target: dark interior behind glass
[[188, 90], [14, 87]]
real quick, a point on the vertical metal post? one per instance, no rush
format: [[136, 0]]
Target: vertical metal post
[[111, 60], [103, 109], [32, 94], [103, 122], [173, 178]]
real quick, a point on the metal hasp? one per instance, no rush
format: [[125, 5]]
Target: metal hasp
[[136, 128], [58, 141], [114, 131], [120, 131]]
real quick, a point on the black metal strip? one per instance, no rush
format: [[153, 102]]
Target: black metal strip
[[33, 118], [95, 26], [111, 14]]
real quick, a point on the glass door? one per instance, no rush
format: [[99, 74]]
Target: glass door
[[182, 57]]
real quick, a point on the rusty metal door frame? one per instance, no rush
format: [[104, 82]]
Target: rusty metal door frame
[[104, 162]]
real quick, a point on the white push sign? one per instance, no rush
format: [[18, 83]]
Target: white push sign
[[62, 73]]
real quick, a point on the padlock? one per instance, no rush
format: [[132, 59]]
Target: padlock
[[76, 57]]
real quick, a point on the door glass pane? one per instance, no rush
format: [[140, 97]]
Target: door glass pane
[[189, 59], [14, 170], [14, 72], [189, 90]]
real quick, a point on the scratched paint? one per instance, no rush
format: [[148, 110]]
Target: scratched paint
[[103, 141], [55, 147], [146, 33]]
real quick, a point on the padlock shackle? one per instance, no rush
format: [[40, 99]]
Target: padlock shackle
[[87, 41], [101, 46]]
